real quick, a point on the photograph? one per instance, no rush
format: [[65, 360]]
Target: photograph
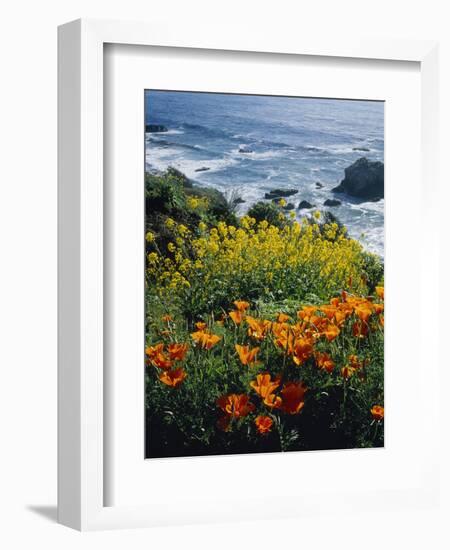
[[264, 273]]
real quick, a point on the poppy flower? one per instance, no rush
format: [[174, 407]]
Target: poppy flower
[[236, 405], [264, 385], [241, 305], [293, 395], [237, 316], [272, 401], [302, 350], [328, 310], [177, 351], [377, 412], [354, 361], [173, 377], [306, 312], [282, 318], [378, 308], [200, 325], [263, 424], [360, 329], [258, 329], [380, 291], [206, 340], [152, 351], [167, 318], [324, 361], [247, 355], [363, 312], [331, 332], [347, 371], [285, 341]]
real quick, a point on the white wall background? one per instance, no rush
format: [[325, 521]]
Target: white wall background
[[28, 267]]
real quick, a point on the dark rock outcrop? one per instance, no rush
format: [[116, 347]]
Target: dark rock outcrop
[[332, 202], [319, 185], [364, 179], [154, 128], [279, 193], [244, 149], [288, 206], [365, 149], [202, 169], [304, 205]]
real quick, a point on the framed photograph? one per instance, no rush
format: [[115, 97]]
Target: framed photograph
[[231, 215]]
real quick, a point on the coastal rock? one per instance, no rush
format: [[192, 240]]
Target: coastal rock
[[365, 149], [280, 193], [202, 169], [304, 205], [332, 202], [244, 149], [363, 179], [289, 206], [319, 185], [155, 128]]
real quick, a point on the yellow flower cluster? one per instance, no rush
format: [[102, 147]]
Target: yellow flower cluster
[[267, 252], [197, 203]]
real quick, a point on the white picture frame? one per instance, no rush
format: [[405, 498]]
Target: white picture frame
[[81, 404]]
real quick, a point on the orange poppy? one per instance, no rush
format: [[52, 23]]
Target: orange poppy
[[363, 312], [378, 308], [302, 351], [285, 341], [331, 332], [293, 397], [306, 312], [237, 316], [241, 305], [173, 377], [360, 329], [377, 412], [152, 351], [200, 325], [282, 318], [206, 340], [354, 361], [324, 361], [340, 317], [382, 320], [380, 291], [272, 401], [166, 318], [258, 329], [177, 351], [264, 385], [329, 311], [263, 424], [347, 371], [236, 405], [162, 361], [247, 355]]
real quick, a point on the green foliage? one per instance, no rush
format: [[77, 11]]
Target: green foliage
[[268, 211]]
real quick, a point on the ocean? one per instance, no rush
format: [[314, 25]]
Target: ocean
[[290, 143]]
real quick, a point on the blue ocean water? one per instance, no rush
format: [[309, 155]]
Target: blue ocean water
[[294, 143]]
